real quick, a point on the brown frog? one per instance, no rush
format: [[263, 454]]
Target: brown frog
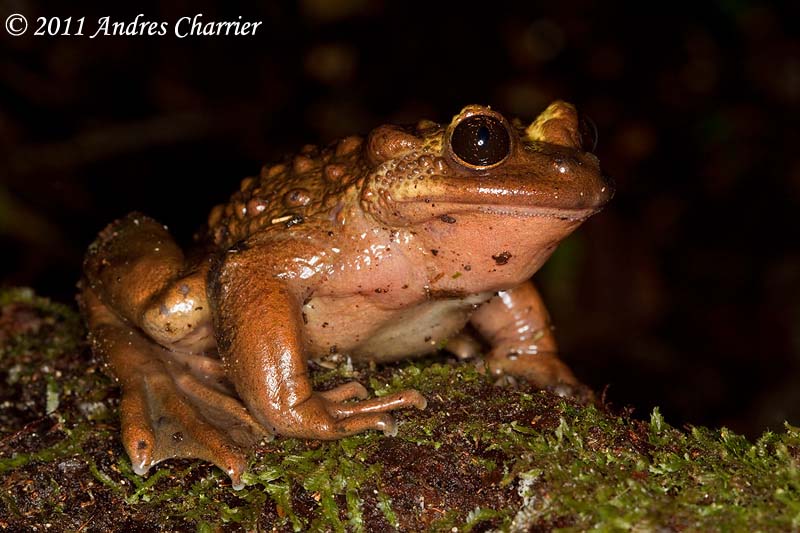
[[380, 248]]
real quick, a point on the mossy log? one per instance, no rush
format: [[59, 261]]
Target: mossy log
[[480, 458]]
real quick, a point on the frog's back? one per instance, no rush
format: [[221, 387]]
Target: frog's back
[[295, 191]]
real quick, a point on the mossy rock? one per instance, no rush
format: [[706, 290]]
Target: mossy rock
[[479, 458]]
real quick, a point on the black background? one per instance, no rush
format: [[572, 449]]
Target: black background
[[683, 293]]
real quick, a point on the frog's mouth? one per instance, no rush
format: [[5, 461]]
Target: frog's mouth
[[415, 212], [574, 215]]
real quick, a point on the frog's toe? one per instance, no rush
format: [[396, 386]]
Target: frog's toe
[[577, 391], [464, 346], [359, 423], [347, 391], [137, 437], [390, 402]]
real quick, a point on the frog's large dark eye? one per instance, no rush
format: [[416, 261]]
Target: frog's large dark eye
[[480, 141]]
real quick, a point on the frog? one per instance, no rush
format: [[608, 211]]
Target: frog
[[380, 248]]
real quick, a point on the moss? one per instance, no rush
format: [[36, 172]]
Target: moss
[[479, 457]]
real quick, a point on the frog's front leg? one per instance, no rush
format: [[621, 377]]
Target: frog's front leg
[[259, 329], [517, 325], [149, 322]]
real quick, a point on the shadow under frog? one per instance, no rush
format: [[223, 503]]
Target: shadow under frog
[[381, 248]]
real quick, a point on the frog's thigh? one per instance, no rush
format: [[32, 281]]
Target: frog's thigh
[[137, 270], [132, 260], [170, 408]]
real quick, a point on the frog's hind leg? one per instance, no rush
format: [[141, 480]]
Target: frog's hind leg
[[168, 408], [146, 317]]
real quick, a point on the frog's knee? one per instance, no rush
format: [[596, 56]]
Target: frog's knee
[[178, 314]]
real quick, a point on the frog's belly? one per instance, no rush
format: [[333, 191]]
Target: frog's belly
[[366, 332]]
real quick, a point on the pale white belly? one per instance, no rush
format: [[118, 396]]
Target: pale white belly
[[366, 332]]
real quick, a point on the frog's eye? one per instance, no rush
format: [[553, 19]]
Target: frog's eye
[[480, 141]]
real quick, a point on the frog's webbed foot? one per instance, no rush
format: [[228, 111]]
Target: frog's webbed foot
[[173, 405], [170, 412]]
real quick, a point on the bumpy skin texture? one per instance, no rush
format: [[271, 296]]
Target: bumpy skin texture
[[380, 248]]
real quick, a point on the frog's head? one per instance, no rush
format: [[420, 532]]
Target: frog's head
[[484, 180]]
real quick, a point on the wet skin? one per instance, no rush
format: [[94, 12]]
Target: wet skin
[[380, 248]]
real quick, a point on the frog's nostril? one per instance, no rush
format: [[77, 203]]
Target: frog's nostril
[[588, 133]]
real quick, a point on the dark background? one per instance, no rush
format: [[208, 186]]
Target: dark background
[[683, 293]]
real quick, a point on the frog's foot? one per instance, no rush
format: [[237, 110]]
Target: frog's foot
[[173, 405], [170, 411], [328, 415], [544, 369]]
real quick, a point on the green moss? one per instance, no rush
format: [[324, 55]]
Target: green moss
[[385, 505], [69, 446]]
